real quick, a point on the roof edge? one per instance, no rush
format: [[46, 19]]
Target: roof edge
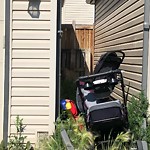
[[90, 1]]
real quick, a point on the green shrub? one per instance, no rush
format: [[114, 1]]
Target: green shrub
[[137, 111], [80, 138], [2, 146]]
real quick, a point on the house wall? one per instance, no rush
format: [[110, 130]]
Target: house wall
[[78, 11], [148, 78], [2, 52], [33, 66], [119, 26]]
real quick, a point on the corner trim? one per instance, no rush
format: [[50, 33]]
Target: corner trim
[[145, 46]]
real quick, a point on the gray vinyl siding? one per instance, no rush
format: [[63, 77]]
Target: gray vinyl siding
[[119, 26], [32, 73]]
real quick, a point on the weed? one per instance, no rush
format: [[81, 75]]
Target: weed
[[17, 141]]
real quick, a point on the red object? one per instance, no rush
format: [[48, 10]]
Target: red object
[[73, 109]]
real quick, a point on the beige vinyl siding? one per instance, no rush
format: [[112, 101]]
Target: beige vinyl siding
[[78, 11], [2, 60], [33, 68], [119, 26]]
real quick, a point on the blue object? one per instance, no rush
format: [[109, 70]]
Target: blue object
[[63, 104]]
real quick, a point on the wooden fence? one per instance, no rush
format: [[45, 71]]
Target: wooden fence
[[77, 50]]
